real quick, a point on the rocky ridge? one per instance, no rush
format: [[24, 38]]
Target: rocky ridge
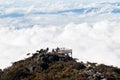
[[45, 65]]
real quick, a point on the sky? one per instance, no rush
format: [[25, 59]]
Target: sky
[[90, 27]]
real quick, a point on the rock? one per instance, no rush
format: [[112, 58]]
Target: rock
[[31, 68], [44, 66], [79, 66], [117, 71]]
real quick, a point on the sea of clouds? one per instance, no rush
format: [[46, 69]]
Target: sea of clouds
[[91, 29]]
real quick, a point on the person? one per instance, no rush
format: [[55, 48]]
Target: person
[[47, 49], [53, 50], [57, 49]]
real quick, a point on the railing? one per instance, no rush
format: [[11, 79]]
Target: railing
[[64, 51]]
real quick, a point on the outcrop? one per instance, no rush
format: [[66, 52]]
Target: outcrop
[[45, 65]]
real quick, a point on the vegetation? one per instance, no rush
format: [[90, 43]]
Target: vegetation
[[44, 65]]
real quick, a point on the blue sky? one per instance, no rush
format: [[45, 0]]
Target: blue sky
[[28, 25]]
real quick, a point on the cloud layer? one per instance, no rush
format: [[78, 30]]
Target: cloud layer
[[91, 29], [98, 42], [22, 14]]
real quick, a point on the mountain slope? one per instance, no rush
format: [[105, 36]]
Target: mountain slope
[[44, 65]]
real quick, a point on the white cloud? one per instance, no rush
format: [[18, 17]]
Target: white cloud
[[98, 42]]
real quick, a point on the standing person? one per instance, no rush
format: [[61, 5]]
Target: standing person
[[57, 49]]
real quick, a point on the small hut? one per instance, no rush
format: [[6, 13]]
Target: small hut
[[64, 51]]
